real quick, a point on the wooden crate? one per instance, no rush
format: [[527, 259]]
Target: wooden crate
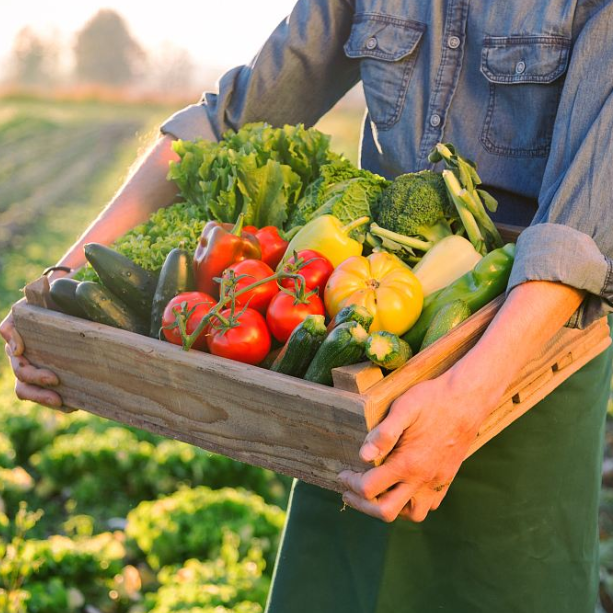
[[260, 417]]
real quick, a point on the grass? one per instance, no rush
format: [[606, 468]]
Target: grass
[[59, 223], [59, 166]]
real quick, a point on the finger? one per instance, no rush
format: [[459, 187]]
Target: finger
[[436, 500], [11, 336], [382, 439], [25, 372], [48, 398], [424, 500], [373, 482], [419, 506], [385, 507]]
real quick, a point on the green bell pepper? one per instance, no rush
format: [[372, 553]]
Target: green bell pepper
[[476, 288]]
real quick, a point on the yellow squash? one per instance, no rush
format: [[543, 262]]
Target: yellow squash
[[383, 284]]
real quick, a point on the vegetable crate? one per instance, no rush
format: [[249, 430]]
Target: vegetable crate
[[257, 416]]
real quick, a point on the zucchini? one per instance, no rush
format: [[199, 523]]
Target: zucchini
[[342, 347], [268, 361], [131, 283], [445, 320], [353, 312], [176, 277], [301, 347], [387, 350], [62, 293], [101, 306]]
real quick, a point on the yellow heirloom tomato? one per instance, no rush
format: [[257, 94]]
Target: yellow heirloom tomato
[[383, 284]]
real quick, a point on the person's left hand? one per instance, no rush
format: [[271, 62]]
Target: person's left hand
[[426, 433]]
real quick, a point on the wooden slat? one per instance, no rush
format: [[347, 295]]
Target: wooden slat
[[256, 416], [37, 293], [537, 379], [356, 378], [253, 415], [532, 386], [510, 411], [430, 363]]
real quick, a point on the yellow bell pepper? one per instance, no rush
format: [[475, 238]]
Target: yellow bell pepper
[[383, 284], [327, 235]]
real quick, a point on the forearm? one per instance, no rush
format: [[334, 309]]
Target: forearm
[[145, 191], [426, 435], [529, 318]]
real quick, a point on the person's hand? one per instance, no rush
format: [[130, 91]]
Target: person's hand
[[426, 433], [31, 383]]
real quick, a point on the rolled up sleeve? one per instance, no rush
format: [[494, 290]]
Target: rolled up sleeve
[[297, 76], [571, 237]]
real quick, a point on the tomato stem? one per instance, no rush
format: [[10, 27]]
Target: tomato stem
[[228, 294]]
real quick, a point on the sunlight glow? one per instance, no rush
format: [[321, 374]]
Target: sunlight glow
[[218, 33]]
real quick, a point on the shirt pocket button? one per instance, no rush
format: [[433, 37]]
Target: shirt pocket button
[[453, 42], [386, 47]]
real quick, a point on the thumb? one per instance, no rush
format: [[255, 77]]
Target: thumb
[[383, 438]]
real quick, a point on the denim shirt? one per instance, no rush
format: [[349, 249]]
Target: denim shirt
[[523, 88]]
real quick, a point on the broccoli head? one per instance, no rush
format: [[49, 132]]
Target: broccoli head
[[417, 205]]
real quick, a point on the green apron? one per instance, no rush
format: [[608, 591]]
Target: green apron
[[517, 532]]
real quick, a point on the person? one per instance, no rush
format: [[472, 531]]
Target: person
[[525, 90]]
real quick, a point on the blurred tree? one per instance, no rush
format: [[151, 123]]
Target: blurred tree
[[171, 69], [106, 52], [33, 59]]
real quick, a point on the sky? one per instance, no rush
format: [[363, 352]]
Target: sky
[[218, 33]]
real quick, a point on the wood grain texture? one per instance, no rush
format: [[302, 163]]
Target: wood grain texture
[[257, 416], [430, 363], [509, 411], [356, 378], [37, 293], [563, 355], [253, 415]]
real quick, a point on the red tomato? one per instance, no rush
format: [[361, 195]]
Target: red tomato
[[316, 274], [202, 302], [284, 314], [272, 245], [260, 297], [248, 342]]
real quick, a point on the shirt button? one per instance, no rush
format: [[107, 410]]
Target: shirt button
[[371, 43], [435, 120], [520, 67], [453, 42]]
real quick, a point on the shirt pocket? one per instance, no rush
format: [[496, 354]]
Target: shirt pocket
[[387, 48], [524, 75]]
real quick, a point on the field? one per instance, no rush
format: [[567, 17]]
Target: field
[[97, 517]]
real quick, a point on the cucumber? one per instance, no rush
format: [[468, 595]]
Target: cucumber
[[445, 320], [301, 347], [62, 293], [387, 350], [131, 283], [101, 306], [176, 277], [342, 347], [353, 312]]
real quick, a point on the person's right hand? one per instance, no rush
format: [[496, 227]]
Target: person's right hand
[[31, 383]]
